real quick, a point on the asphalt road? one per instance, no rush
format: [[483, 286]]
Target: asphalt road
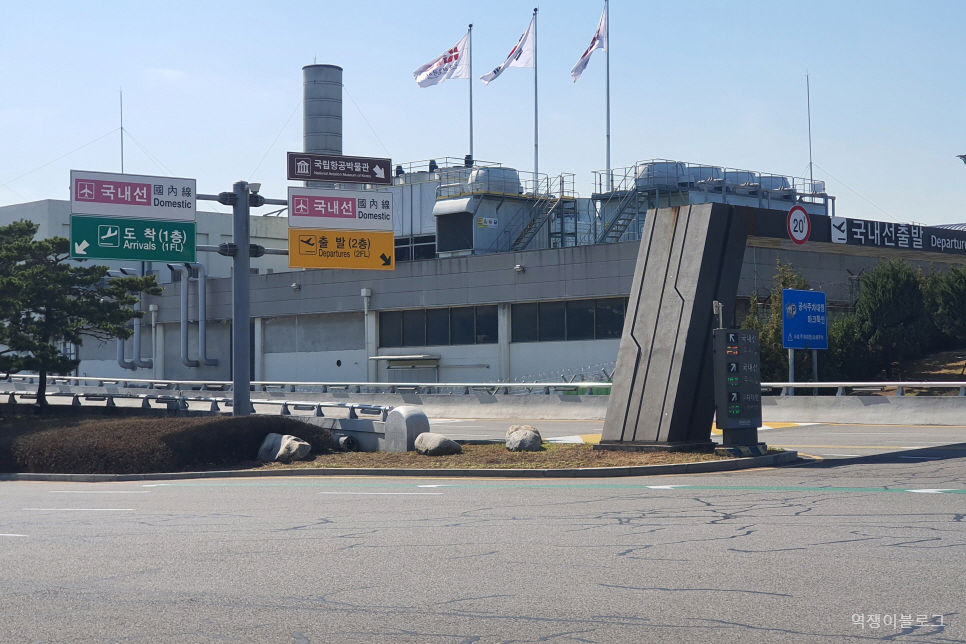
[[772, 555]]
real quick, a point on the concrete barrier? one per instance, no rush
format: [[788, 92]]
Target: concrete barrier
[[871, 410]]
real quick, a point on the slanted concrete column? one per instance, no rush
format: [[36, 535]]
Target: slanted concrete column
[[663, 391]]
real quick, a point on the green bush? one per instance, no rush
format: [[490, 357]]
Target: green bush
[[137, 445]]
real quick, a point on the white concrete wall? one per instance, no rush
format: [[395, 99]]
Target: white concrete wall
[[544, 360], [317, 366]]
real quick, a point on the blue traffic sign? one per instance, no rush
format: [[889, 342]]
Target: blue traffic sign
[[804, 320]]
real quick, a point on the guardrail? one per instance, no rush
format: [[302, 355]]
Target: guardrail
[[841, 388], [523, 388], [181, 403], [323, 387]]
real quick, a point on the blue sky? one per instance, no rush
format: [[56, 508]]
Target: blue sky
[[208, 86]]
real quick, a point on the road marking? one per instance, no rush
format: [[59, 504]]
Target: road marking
[[79, 509], [99, 492], [440, 485], [885, 447], [392, 493], [664, 487], [159, 484], [13, 535], [934, 491]]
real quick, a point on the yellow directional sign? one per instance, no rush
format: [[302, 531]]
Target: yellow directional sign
[[358, 249]]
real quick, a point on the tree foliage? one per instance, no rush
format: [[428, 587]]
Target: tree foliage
[[946, 302], [774, 359], [46, 302]]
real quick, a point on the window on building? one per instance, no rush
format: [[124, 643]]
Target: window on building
[[463, 325], [580, 320], [414, 328], [571, 320], [553, 321], [524, 326], [486, 324], [437, 327], [390, 328], [610, 317]]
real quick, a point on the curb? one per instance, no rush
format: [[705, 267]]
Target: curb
[[702, 467]]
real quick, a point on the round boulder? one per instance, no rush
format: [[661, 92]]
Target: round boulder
[[430, 444], [523, 440], [525, 428]]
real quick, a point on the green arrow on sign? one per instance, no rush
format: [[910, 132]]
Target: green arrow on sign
[[144, 240]]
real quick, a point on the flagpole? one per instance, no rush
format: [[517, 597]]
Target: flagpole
[[607, 52], [536, 157], [470, 43]]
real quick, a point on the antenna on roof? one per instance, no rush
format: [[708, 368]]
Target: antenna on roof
[[121, 93], [808, 98]]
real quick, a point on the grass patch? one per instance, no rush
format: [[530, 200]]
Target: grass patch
[[136, 445], [552, 456]]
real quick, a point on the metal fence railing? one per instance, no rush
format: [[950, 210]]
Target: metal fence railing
[[840, 388]]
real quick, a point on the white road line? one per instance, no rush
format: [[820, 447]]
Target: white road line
[[79, 509], [664, 487], [440, 485], [13, 535], [385, 493], [158, 484], [850, 455], [934, 491], [99, 492]]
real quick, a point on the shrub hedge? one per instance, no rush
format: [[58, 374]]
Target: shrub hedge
[[142, 445]]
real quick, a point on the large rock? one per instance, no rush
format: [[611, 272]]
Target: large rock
[[525, 428], [523, 440], [432, 444], [283, 448]]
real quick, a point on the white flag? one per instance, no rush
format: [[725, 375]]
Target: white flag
[[599, 42], [520, 56], [453, 64]]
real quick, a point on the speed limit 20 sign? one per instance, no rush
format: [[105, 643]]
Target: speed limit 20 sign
[[798, 224]]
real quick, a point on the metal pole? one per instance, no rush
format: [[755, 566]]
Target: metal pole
[[121, 92], [815, 370], [610, 180], [536, 164], [240, 304], [808, 98], [471, 88], [791, 370]]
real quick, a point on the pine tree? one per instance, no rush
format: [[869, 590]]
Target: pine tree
[[46, 302]]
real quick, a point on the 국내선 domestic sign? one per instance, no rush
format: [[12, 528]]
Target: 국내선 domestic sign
[[339, 209], [132, 196]]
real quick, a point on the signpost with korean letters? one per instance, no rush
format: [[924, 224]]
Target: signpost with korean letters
[[304, 166], [132, 217], [341, 209], [349, 229], [121, 238], [737, 384], [349, 249], [804, 320], [131, 195]]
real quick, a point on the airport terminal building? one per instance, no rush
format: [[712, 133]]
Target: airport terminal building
[[501, 275]]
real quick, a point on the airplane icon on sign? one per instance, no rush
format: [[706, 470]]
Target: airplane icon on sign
[[109, 236]]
